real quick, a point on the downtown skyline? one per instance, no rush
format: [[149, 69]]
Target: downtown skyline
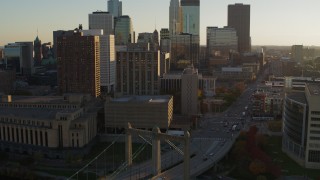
[[272, 22]]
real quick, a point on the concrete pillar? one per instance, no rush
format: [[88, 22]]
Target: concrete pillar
[[129, 146], [186, 155], [156, 152]]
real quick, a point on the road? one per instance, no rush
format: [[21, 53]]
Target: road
[[209, 144]]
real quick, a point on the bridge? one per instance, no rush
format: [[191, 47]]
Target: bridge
[[188, 163]]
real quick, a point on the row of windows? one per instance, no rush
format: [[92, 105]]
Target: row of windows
[[313, 145], [314, 156], [24, 136], [315, 119], [50, 106], [315, 132], [315, 125], [315, 112], [25, 122], [314, 138]]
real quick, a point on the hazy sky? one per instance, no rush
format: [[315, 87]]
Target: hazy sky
[[273, 22]]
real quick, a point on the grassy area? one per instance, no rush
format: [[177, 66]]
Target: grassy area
[[288, 166], [275, 126], [118, 150]]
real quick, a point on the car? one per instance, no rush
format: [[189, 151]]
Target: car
[[211, 154]]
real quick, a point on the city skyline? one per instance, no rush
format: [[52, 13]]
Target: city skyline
[[272, 22]]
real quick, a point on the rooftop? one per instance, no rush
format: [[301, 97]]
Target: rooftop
[[33, 113], [314, 89], [298, 96], [37, 99], [143, 99]]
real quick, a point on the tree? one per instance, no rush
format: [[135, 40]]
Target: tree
[[257, 167]]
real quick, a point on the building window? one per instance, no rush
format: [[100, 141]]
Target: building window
[[31, 137], [27, 137], [46, 138], [21, 133], [314, 156], [315, 125], [8, 132], [41, 139], [77, 142], [12, 133], [36, 137], [315, 112], [315, 119], [4, 133], [315, 132], [17, 134]]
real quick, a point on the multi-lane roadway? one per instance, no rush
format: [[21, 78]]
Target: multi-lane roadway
[[209, 144]]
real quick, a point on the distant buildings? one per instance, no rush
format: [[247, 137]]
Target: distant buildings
[[297, 53], [235, 74], [144, 112], [8, 78], [138, 69], [175, 17], [283, 67], [107, 59], [239, 18], [221, 41], [191, 16], [184, 51], [115, 8], [37, 47], [165, 42], [19, 57], [102, 20], [124, 31], [301, 126], [189, 92], [78, 61], [49, 125]]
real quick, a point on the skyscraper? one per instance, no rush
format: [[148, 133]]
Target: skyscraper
[[239, 18], [138, 70], [102, 20], [297, 53], [124, 31], [115, 8], [189, 91], [19, 57], [184, 51], [221, 41], [191, 16], [107, 59], [37, 48], [175, 17], [78, 61]]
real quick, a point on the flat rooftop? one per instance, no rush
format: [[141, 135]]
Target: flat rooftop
[[314, 89], [298, 96], [33, 113], [143, 99], [37, 99]]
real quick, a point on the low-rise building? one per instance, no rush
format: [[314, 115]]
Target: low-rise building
[[47, 124], [143, 112]]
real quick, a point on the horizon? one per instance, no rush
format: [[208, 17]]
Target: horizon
[[277, 27]]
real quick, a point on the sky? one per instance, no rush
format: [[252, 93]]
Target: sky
[[273, 22]]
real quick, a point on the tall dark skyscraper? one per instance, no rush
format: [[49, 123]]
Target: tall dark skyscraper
[[191, 16], [239, 18]]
